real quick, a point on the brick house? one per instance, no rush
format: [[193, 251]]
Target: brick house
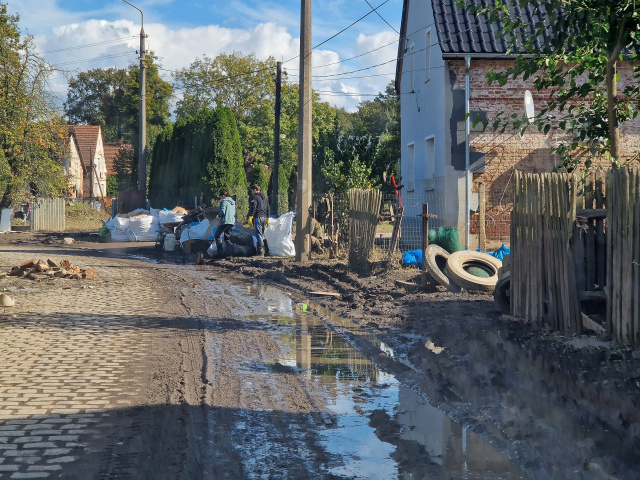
[[443, 58], [87, 140]]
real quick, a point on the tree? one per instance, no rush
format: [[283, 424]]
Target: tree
[[583, 45], [96, 97], [259, 177], [111, 98], [31, 142]]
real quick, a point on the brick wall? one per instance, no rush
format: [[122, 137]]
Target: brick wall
[[506, 152]]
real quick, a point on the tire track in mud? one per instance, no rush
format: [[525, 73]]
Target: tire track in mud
[[261, 417]]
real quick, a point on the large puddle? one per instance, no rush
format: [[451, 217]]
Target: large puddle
[[383, 429]]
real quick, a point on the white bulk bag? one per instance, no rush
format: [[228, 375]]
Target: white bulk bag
[[278, 235]]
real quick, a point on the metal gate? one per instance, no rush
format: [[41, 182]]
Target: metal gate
[[48, 214]]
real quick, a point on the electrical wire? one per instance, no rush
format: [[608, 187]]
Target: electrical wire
[[117, 40], [94, 58], [383, 19], [348, 27]]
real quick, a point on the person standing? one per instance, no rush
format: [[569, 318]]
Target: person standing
[[259, 217], [227, 218]]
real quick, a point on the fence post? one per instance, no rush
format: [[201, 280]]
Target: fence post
[[482, 240], [425, 242]]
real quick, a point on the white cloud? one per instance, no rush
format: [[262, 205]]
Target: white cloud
[[114, 43]]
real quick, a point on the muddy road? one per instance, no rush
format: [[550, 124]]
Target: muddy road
[[162, 370]]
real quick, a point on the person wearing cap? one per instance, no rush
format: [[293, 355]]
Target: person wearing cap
[[227, 218], [259, 217]]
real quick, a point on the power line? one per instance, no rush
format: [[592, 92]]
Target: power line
[[94, 58], [348, 27], [377, 13], [117, 40]]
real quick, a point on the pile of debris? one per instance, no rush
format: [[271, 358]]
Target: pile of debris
[[40, 270]]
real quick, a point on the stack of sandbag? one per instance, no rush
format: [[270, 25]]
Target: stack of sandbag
[[137, 226]]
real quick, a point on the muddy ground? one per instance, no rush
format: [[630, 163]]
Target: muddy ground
[[558, 407]]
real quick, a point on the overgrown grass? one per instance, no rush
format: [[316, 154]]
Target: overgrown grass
[[82, 217]]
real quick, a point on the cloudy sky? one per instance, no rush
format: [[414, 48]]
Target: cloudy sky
[[77, 35]]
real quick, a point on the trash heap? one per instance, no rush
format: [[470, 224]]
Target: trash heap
[[39, 270]]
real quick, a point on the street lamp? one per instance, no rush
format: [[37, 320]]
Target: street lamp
[[142, 149]]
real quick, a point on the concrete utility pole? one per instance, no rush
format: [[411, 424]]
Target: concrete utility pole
[[303, 219], [142, 145], [275, 178]]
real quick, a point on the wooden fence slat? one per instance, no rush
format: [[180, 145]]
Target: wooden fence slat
[[635, 256], [600, 246]]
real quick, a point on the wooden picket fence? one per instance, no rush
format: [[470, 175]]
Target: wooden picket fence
[[567, 249], [364, 208], [543, 280], [623, 256]]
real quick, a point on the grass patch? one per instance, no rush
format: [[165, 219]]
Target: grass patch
[[82, 217]]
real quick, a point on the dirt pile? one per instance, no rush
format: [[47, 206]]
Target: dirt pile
[[38, 270]]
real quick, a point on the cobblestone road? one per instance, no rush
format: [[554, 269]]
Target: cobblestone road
[[87, 368]]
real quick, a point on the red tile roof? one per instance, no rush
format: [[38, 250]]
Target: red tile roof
[[87, 138], [110, 152]]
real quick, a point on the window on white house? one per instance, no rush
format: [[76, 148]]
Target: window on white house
[[411, 167], [427, 57], [429, 163], [412, 50]]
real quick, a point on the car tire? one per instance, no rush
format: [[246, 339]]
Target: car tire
[[436, 264], [501, 294], [459, 261]]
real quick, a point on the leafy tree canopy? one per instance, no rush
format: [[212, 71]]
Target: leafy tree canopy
[[31, 142], [584, 45]]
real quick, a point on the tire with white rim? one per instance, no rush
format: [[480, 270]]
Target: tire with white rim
[[436, 263], [459, 262]]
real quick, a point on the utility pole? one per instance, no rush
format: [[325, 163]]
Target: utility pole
[[304, 190], [275, 177], [142, 145]]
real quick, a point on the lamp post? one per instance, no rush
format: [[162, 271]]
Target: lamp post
[[142, 145]]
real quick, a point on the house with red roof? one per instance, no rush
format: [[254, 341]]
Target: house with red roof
[[86, 146]]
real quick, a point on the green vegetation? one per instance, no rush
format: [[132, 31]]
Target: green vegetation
[[199, 156], [31, 142], [577, 69]]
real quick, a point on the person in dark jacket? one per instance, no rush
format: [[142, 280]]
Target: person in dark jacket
[[227, 218], [259, 217]]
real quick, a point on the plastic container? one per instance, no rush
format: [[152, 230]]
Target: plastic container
[[169, 242]]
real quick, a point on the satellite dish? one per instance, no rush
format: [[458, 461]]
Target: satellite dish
[[528, 106]]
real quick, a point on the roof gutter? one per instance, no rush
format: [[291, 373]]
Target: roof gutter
[[401, 45], [483, 56]]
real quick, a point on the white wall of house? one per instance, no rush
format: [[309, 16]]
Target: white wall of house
[[425, 119], [73, 167], [100, 177]]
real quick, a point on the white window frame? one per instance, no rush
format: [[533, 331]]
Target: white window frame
[[411, 167], [412, 51], [427, 56], [429, 163]]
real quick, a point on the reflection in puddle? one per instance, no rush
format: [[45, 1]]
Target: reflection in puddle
[[382, 429]]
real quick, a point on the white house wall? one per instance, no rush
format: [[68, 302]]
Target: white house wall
[[424, 121]]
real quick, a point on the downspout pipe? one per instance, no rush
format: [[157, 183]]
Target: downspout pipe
[[467, 163]]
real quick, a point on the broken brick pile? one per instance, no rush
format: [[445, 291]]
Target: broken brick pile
[[39, 270]]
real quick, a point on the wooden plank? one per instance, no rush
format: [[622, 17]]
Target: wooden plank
[[594, 326], [609, 254], [601, 237], [482, 240], [592, 213], [549, 294], [589, 295], [516, 227], [627, 257], [635, 267]]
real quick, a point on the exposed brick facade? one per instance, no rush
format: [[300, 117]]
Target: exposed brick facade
[[506, 152]]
